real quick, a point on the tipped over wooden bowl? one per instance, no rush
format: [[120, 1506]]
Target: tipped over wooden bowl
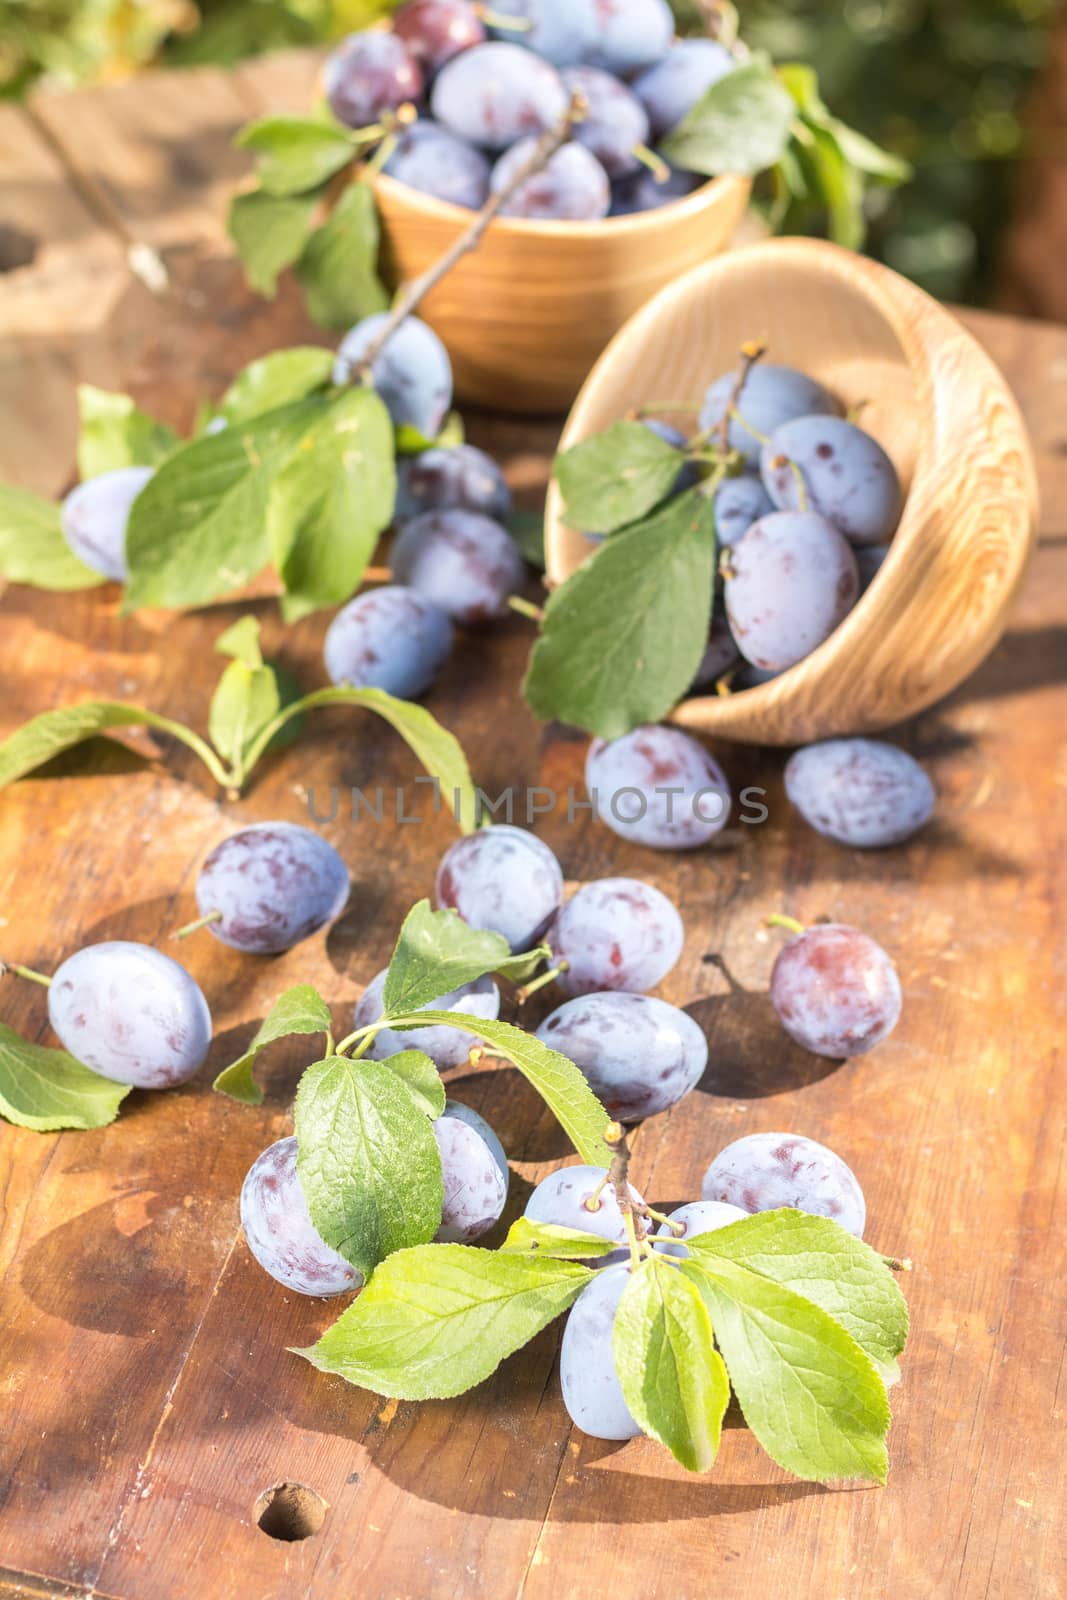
[[936, 403], [526, 315]]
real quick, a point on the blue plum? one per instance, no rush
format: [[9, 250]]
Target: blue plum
[[836, 991], [562, 31], [274, 884], [498, 93], [568, 1199], [615, 125], [460, 478], [765, 1171], [644, 191], [588, 1376], [446, 1047], [616, 933], [429, 158], [789, 583], [413, 374], [476, 1189], [700, 1216], [861, 792], [368, 75], [462, 1113], [571, 187], [658, 787], [436, 30], [739, 502], [467, 564], [847, 476], [94, 518], [280, 1233], [502, 879], [130, 1013], [390, 638], [640, 1055], [631, 35], [670, 89], [771, 395]]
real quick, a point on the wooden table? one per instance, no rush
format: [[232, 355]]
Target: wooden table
[[147, 1395]]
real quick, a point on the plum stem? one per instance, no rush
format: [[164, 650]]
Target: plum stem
[[751, 352], [779, 920], [500, 19], [526, 608], [802, 488], [677, 1228], [896, 1265], [542, 982], [619, 1178], [201, 922], [412, 295], [655, 163], [25, 972]]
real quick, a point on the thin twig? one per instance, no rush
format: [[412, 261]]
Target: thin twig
[[750, 354]]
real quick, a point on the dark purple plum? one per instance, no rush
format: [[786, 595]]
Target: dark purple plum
[[568, 1199], [631, 35], [616, 933], [280, 1233], [562, 31], [369, 74], [869, 561], [588, 1376], [640, 1054], [658, 787], [644, 192], [720, 656], [771, 395], [765, 1171], [130, 1013], [465, 563], [836, 991], [446, 1047], [436, 30], [789, 583], [502, 879], [861, 792], [571, 187], [429, 158], [847, 476], [700, 1216], [476, 1190], [413, 374], [460, 478], [739, 502], [670, 89], [614, 126], [390, 638], [498, 93], [94, 518], [275, 884]]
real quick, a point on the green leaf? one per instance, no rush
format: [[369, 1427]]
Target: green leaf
[[741, 125], [422, 1080], [820, 1260], [527, 528], [558, 1244], [558, 1081], [439, 751], [241, 642], [48, 1089], [339, 264], [436, 953], [294, 154], [243, 704], [672, 1376], [868, 157], [276, 380], [616, 477], [32, 547], [436, 1320], [367, 1159], [411, 441], [114, 433], [198, 529], [48, 735], [810, 1394], [299, 1010], [331, 501], [623, 637], [835, 186], [270, 232]]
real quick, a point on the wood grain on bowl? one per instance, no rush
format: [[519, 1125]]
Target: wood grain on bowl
[[937, 404]]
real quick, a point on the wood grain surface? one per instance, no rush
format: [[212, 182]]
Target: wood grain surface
[[146, 1396]]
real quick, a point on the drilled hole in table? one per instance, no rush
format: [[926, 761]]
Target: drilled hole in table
[[289, 1511]]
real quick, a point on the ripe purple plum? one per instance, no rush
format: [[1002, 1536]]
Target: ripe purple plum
[[861, 792], [462, 1113], [476, 1189], [502, 879], [271, 886], [828, 465], [436, 30], [700, 1216], [789, 583], [569, 1198], [467, 564], [588, 1376], [130, 1013], [836, 991], [562, 31], [280, 1233], [720, 656], [446, 1047], [658, 787], [765, 1171], [615, 124], [571, 187], [460, 478], [94, 517], [631, 35], [498, 93], [429, 158], [739, 502], [770, 396], [390, 638], [670, 89], [413, 374], [645, 192], [616, 933], [640, 1055], [368, 75]]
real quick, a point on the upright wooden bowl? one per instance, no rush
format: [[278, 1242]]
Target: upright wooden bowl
[[526, 315], [937, 404]]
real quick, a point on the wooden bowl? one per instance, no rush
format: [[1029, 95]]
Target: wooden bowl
[[526, 315], [937, 404]]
